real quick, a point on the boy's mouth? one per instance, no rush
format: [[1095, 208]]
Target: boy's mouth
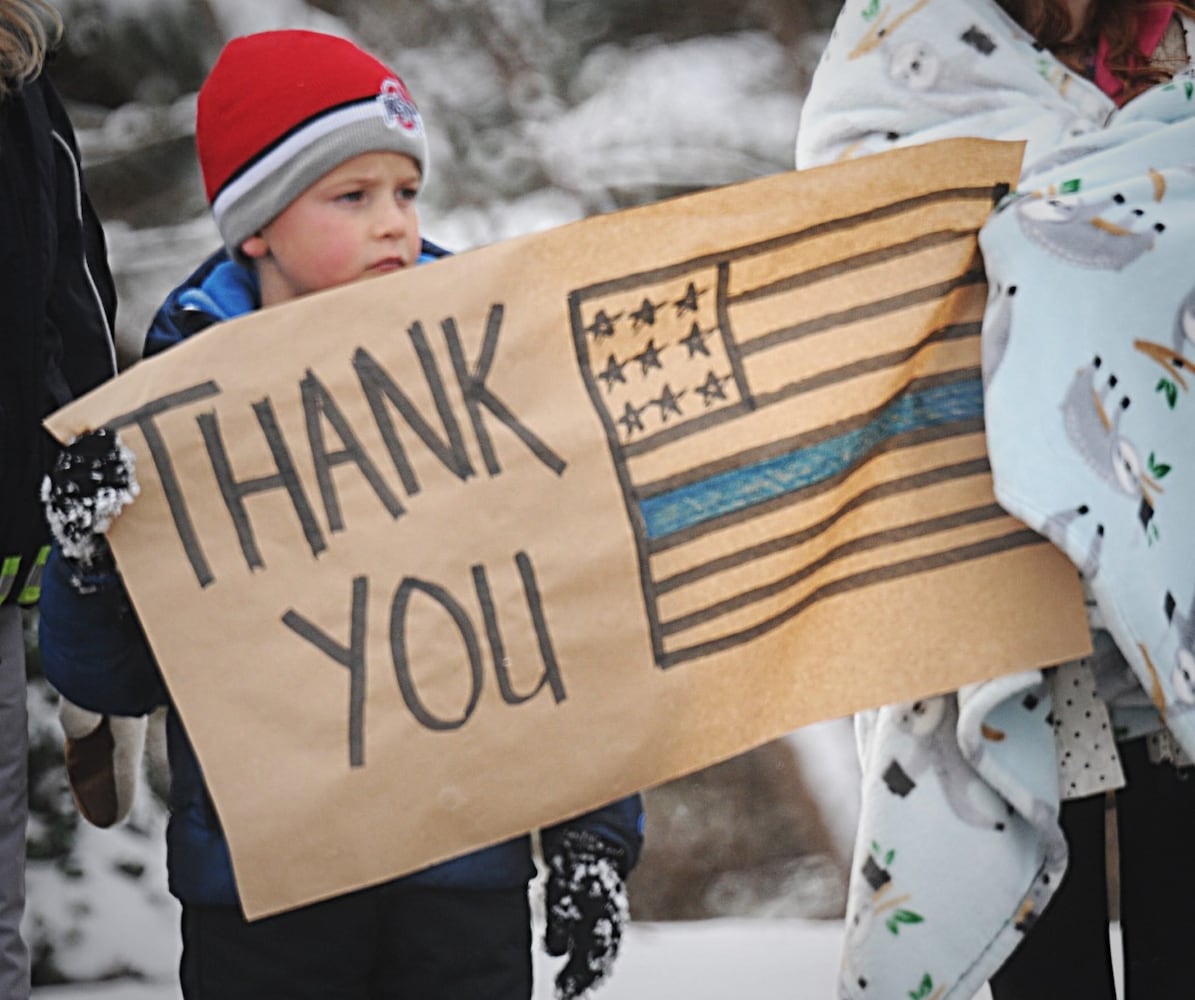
[[387, 264]]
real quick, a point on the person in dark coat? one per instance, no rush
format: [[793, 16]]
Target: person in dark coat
[[57, 306]]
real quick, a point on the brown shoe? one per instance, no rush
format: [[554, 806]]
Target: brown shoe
[[102, 760]]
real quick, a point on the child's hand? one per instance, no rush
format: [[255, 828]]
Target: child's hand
[[91, 482], [586, 909]]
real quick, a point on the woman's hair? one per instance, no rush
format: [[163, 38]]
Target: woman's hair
[[1049, 22], [27, 29]]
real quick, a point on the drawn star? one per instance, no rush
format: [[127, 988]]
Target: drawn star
[[603, 325], [631, 420], [669, 402], [688, 302], [695, 341], [712, 388], [645, 315], [649, 357], [613, 373]]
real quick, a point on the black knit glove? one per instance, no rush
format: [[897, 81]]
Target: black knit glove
[[91, 482], [586, 909]]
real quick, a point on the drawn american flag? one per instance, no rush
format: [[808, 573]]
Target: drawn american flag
[[798, 418]]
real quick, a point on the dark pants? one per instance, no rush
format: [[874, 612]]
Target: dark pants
[[1066, 954], [384, 943]]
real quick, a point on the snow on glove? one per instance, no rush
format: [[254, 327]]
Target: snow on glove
[[92, 481], [586, 909]]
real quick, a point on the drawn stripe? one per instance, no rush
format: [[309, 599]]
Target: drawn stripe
[[836, 247], [856, 339], [894, 460], [919, 530], [834, 294], [746, 456], [856, 369], [983, 193], [856, 262], [857, 314], [692, 599], [867, 366], [731, 346], [881, 491], [927, 435], [867, 578], [758, 482]]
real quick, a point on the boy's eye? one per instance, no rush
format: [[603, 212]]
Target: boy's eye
[[351, 196], [408, 193]]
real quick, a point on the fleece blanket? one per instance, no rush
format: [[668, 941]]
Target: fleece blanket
[[1088, 353]]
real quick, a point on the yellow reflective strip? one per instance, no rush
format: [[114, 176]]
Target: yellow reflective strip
[[8, 575], [32, 590]]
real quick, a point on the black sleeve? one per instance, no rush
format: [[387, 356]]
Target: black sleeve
[[620, 822], [26, 250], [82, 302], [57, 300]]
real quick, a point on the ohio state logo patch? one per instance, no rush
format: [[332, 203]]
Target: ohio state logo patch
[[398, 109]]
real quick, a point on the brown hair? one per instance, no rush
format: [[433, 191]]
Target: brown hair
[[1049, 22], [27, 29]]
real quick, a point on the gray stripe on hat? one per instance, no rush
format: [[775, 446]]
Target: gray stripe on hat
[[260, 202]]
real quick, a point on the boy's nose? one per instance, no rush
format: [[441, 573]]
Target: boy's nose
[[390, 220]]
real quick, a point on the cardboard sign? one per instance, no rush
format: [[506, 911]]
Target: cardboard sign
[[437, 558]]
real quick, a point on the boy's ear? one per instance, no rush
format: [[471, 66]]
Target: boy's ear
[[255, 247]]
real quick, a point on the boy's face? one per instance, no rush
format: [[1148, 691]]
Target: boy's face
[[357, 221]]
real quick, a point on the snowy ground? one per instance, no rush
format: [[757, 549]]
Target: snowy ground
[[105, 920], [761, 959], [705, 960], [137, 924]]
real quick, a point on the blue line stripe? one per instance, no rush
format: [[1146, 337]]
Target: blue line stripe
[[738, 489]]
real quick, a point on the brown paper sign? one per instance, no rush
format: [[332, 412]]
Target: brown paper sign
[[437, 558]]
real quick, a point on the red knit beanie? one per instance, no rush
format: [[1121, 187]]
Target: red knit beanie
[[282, 108]]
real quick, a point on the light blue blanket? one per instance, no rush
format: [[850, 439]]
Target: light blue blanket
[[1089, 372]]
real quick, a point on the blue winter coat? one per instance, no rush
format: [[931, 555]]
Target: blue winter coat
[[94, 652]]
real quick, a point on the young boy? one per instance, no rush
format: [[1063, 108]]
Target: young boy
[[312, 154]]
